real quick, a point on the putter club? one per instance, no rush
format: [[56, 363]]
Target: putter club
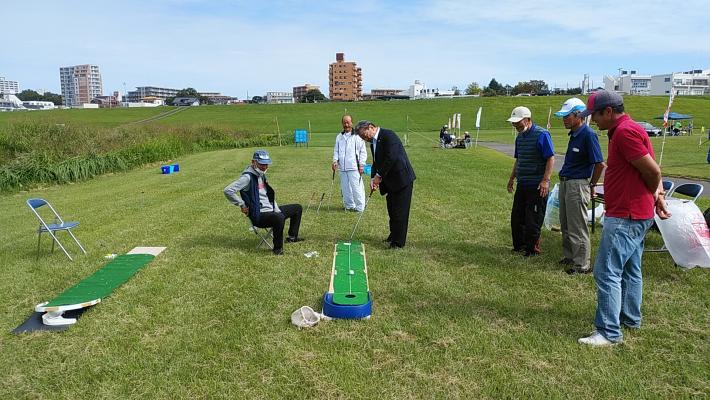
[[320, 202], [332, 186], [360, 216], [313, 195]]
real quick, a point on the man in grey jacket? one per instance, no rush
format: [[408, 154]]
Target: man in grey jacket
[[257, 200]]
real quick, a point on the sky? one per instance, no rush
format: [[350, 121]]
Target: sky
[[242, 48]]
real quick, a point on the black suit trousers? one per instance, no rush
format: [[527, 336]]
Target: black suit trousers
[[398, 205], [277, 221]]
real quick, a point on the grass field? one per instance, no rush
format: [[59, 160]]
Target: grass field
[[456, 315]]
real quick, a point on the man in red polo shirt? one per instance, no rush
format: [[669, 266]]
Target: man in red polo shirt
[[632, 192]]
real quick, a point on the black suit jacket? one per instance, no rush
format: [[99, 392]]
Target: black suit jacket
[[391, 163]]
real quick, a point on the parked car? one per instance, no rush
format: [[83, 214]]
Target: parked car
[[650, 129]]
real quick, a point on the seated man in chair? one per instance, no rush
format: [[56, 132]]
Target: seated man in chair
[[257, 201]]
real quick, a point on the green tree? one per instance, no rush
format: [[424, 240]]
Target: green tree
[[496, 87], [523, 88], [313, 96], [29, 95], [190, 92], [473, 89], [53, 97]]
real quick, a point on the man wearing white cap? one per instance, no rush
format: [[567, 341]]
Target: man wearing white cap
[[583, 166], [257, 200], [534, 159]]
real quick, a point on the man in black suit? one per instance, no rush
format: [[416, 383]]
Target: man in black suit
[[393, 175]]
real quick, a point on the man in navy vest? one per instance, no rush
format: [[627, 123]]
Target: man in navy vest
[[534, 159], [258, 201]]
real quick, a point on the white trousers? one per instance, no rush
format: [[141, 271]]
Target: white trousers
[[353, 190]]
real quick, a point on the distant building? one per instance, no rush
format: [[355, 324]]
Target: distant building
[[38, 105], [629, 83], [217, 98], [143, 92], [10, 102], [8, 87], [80, 84], [279, 97], [186, 101], [345, 80], [386, 94], [690, 83], [300, 91]]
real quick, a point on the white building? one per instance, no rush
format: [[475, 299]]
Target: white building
[[80, 84], [629, 83], [38, 105], [8, 87], [690, 83], [279, 97], [150, 92], [10, 102]]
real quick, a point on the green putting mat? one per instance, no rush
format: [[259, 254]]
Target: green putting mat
[[349, 280], [103, 281]]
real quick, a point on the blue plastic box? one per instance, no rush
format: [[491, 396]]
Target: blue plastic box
[[169, 169]]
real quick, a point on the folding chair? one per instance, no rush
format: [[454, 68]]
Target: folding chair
[[57, 225], [264, 235], [693, 190]]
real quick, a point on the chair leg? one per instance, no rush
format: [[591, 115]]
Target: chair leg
[[60, 245], [39, 237], [77, 241]]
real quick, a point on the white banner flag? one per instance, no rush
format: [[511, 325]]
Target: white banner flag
[[478, 117], [458, 121]]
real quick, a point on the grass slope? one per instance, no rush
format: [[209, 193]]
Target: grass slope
[[456, 315]]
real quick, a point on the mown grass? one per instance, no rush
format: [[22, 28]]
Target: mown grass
[[455, 314]]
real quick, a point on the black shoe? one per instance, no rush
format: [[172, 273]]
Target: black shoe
[[576, 269], [514, 250], [294, 239], [388, 240], [531, 253], [278, 252], [565, 261], [395, 246]]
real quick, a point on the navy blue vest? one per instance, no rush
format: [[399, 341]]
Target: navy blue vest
[[531, 164], [251, 198]]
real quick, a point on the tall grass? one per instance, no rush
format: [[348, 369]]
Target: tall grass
[[34, 153]]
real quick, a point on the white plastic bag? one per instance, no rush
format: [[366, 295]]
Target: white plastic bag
[[686, 234], [552, 213], [305, 317]]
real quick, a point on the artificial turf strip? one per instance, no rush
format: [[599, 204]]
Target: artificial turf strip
[[104, 281], [350, 279]]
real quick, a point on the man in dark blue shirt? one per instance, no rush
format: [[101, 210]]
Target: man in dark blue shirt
[[583, 166], [534, 159]]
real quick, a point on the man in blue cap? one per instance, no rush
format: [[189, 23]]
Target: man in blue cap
[[583, 166], [257, 200]]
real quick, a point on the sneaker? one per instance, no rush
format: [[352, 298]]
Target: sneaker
[[596, 339], [531, 253], [514, 250], [565, 261], [294, 239], [576, 269], [278, 252]]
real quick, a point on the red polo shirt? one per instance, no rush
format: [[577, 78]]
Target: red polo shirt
[[625, 194]]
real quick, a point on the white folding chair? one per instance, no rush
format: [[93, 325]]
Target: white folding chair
[[265, 235]]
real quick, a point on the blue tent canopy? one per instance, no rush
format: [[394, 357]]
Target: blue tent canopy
[[675, 116]]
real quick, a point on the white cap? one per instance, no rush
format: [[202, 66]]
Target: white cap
[[571, 105], [519, 113]]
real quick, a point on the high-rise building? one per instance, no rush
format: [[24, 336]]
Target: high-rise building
[[300, 91], [345, 79], [80, 84], [8, 87]]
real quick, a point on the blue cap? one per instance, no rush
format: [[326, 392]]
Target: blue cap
[[262, 157]]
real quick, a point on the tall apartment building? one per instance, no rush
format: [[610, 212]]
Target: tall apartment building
[[8, 87], [345, 80], [300, 91], [80, 84], [279, 97]]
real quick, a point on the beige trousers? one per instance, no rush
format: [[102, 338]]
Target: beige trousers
[[574, 198]]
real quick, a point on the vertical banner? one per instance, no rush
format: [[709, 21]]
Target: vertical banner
[[549, 114], [478, 123], [665, 126]]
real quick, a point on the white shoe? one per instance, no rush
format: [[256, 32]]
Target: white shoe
[[595, 339]]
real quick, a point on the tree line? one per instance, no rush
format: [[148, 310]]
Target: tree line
[[533, 88], [31, 95]]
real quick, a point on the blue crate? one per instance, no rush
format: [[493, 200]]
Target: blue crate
[[169, 169]]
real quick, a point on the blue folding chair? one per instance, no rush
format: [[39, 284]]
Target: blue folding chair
[[668, 186], [57, 225], [693, 190]]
